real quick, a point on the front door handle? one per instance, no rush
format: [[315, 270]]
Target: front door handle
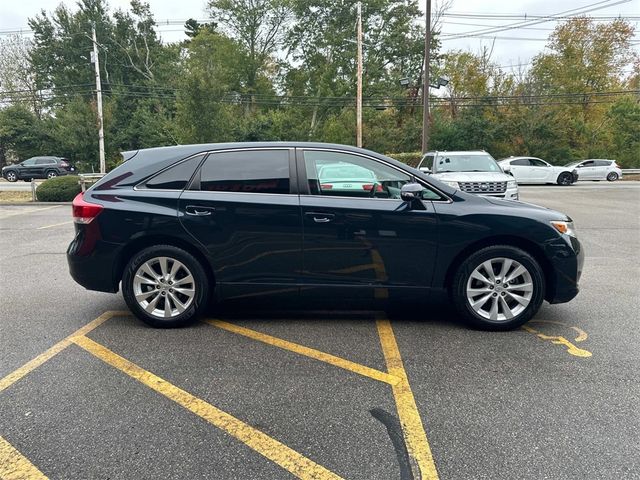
[[198, 211], [320, 217]]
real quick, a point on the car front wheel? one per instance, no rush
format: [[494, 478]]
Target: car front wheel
[[565, 179], [11, 176], [498, 288], [165, 286]]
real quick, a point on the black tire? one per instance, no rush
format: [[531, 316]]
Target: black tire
[[565, 179], [11, 176], [200, 285], [51, 174], [462, 303], [612, 177]]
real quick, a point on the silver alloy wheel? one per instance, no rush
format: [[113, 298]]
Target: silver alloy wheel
[[164, 287], [499, 289], [12, 177], [612, 177], [52, 174]]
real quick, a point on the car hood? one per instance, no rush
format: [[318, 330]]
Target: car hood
[[473, 176], [511, 204]]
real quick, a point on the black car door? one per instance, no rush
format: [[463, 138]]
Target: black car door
[[358, 233], [244, 209], [28, 168]]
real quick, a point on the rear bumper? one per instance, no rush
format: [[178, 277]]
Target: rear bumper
[[93, 262]]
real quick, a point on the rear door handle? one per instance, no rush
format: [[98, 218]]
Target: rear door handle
[[198, 211], [320, 217]]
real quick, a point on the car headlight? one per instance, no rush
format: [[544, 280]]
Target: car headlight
[[451, 184], [512, 184], [565, 228]]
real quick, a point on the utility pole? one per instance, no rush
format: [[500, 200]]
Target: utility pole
[[96, 61], [359, 87], [425, 87]]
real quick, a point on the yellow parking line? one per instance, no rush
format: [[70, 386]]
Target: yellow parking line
[[55, 225], [14, 466], [270, 448], [307, 352], [31, 365], [414, 433], [32, 210]]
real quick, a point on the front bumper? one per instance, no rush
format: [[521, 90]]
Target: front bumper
[[567, 260]]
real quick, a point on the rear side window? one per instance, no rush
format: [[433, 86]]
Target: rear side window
[[44, 161], [176, 177], [522, 162], [254, 171], [603, 163]]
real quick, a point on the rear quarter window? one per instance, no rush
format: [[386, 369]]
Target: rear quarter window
[[176, 177]]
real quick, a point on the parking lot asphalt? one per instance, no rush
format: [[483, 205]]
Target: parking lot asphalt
[[266, 390]]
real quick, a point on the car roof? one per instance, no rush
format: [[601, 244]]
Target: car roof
[[186, 150]]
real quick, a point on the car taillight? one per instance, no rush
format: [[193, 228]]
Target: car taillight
[[326, 186], [64, 164], [369, 186], [615, 165], [83, 211]]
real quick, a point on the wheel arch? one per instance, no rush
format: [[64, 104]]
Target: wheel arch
[[143, 242], [514, 241]]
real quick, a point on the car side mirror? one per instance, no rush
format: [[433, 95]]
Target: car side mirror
[[426, 170], [411, 192]]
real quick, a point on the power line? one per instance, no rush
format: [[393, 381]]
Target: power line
[[579, 10]]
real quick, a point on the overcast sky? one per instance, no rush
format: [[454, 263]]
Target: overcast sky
[[507, 51]]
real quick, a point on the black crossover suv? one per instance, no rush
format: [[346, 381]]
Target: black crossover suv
[[38, 167], [176, 226]]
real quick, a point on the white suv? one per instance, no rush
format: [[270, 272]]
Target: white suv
[[471, 172]]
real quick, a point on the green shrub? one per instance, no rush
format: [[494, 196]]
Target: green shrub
[[59, 189], [410, 158]]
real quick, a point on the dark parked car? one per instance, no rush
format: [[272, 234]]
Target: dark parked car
[[172, 225], [38, 167]]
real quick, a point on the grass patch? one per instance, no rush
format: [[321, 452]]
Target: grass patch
[[15, 197]]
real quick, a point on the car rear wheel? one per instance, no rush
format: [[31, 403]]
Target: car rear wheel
[[612, 177], [11, 176], [498, 288], [165, 286], [51, 174], [565, 179]]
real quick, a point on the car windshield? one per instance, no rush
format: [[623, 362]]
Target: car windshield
[[466, 163]]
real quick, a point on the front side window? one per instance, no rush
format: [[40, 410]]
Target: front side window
[[175, 177], [252, 171], [427, 162], [30, 162], [346, 175], [590, 163]]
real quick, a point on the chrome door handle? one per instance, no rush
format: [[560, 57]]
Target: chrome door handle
[[319, 217], [198, 211]]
